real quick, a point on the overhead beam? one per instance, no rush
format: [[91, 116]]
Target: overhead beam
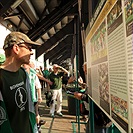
[[61, 53], [56, 53], [66, 56], [50, 20], [66, 30], [44, 11], [66, 42], [6, 7]]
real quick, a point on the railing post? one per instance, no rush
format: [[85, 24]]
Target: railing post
[[91, 124]]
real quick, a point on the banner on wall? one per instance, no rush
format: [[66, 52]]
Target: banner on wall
[[110, 73]]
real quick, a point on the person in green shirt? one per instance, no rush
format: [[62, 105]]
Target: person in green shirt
[[35, 90], [46, 74], [56, 88], [2, 59], [16, 106]]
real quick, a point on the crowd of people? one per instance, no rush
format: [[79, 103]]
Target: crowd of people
[[21, 87]]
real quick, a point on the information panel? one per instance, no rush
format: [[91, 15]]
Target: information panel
[[110, 62]]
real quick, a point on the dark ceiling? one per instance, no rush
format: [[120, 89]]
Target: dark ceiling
[[49, 22]]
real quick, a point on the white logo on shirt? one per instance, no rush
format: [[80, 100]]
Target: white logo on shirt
[[21, 98], [2, 115]]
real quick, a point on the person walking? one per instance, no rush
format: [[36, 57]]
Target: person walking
[[40, 72], [16, 106], [56, 88], [36, 91], [41, 77], [46, 74]]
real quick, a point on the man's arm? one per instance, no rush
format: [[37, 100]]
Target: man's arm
[[44, 79], [63, 69], [80, 96], [71, 80], [60, 67], [38, 87]]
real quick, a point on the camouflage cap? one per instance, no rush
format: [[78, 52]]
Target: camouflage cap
[[18, 38]]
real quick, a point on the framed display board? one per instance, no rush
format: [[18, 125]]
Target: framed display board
[[109, 52]]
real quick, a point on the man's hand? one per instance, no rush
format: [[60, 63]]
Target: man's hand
[[71, 79], [78, 95], [39, 99], [49, 82]]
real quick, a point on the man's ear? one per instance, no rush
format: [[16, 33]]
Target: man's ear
[[16, 48]]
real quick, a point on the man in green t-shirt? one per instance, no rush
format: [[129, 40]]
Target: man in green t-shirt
[[56, 78], [16, 106], [46, 72]]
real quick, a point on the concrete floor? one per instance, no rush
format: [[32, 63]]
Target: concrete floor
[[59, 124]]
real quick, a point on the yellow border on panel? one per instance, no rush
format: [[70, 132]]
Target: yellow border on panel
[[108, 5]]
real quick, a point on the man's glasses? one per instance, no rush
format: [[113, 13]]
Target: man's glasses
[[25, 46]]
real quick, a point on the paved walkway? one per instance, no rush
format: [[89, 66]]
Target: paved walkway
[[59, 124]]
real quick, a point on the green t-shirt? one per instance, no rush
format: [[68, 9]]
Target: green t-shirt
[[16, 101], [57, 80], [46, 73], [32, 78]]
